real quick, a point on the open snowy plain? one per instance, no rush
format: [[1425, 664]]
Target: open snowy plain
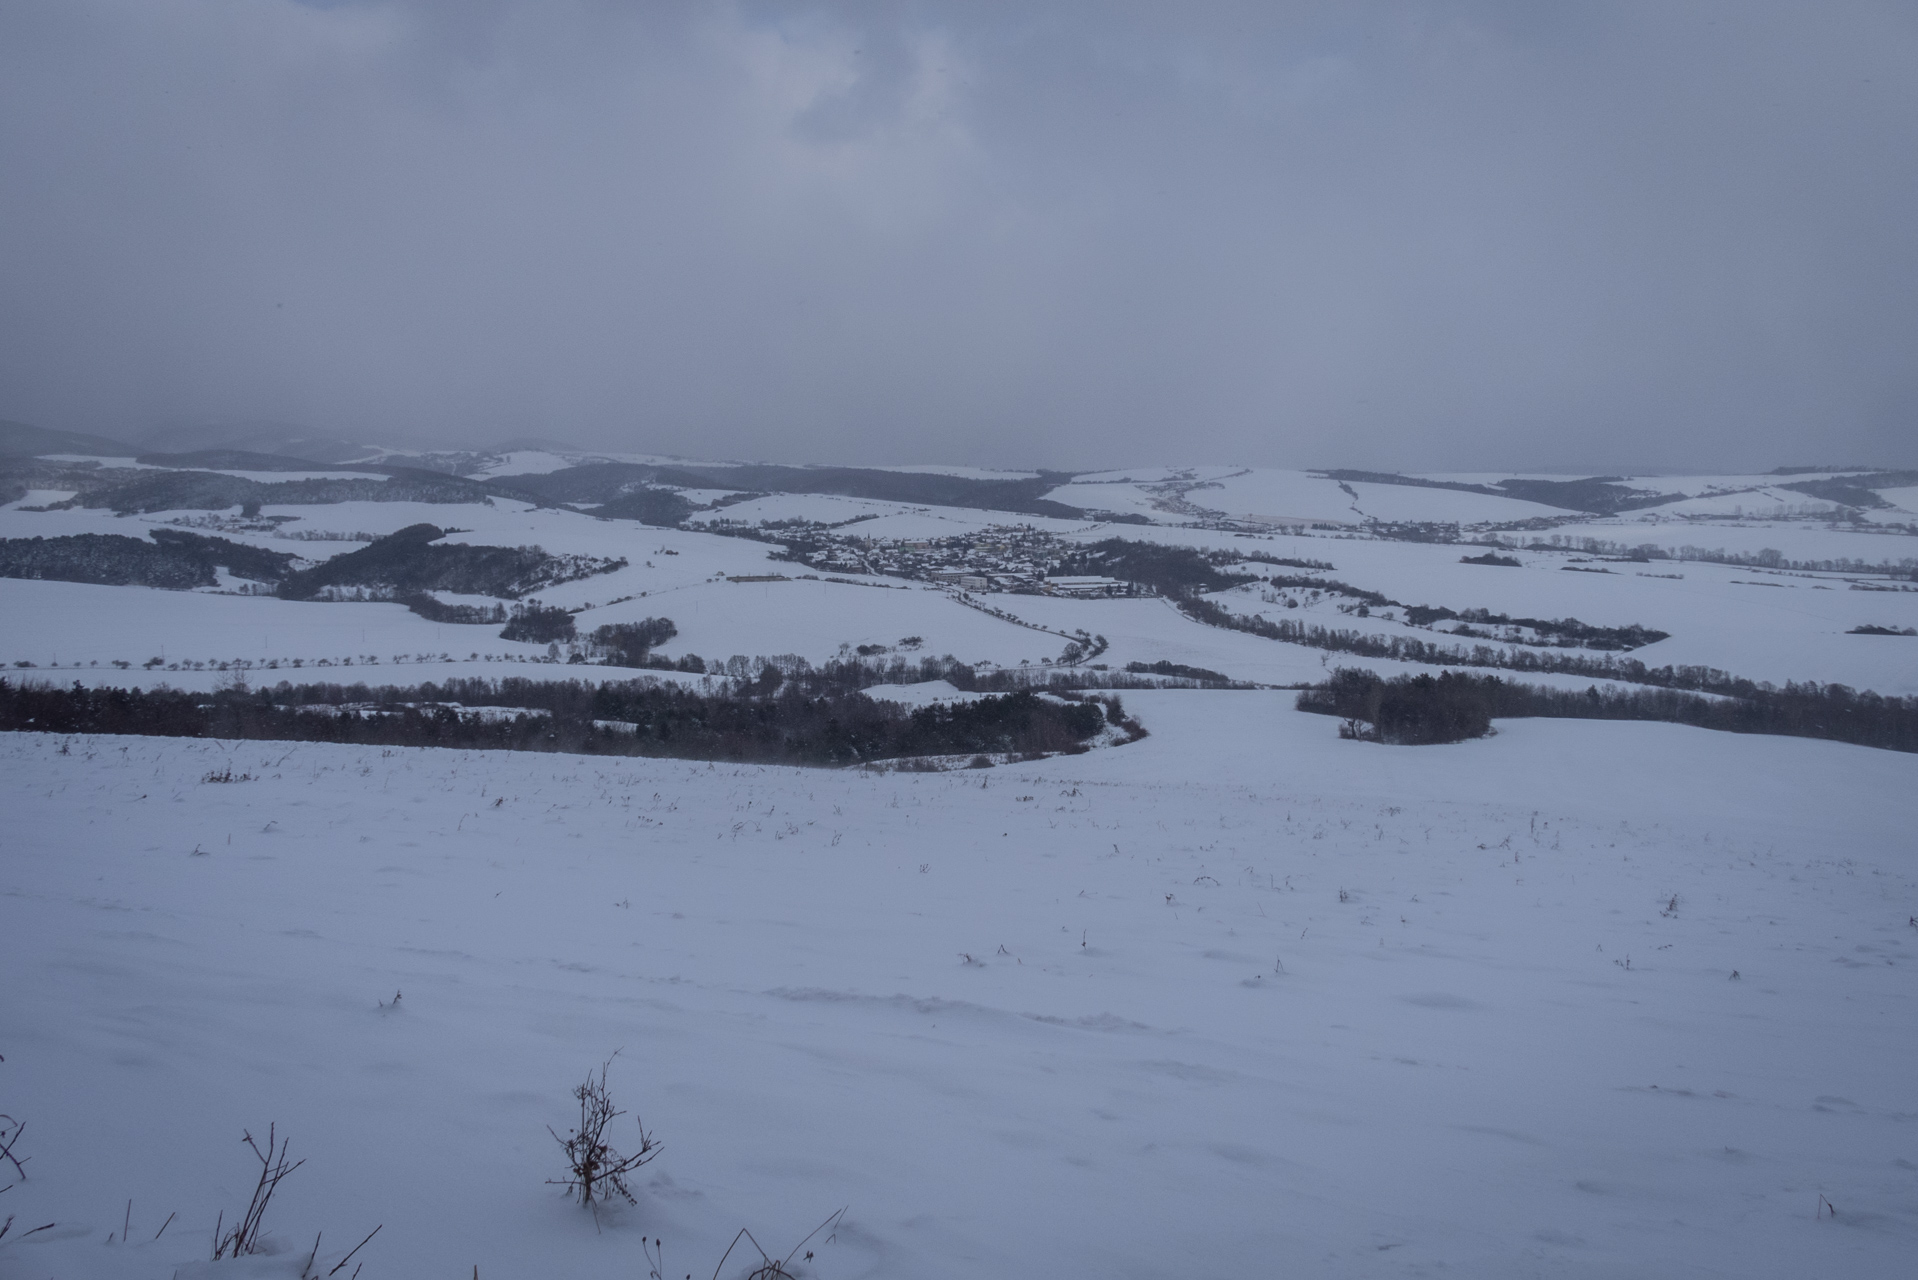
[[1581, 999]]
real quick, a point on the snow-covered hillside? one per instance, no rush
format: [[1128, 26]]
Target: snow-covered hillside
[[1579, 1000], [1733, 587]]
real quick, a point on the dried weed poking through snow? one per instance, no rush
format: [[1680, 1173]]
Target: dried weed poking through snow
[[593, 1167]]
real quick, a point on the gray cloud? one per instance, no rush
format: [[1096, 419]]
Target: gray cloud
[[1468, 235]]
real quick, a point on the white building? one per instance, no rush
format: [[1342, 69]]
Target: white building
[[1086, 586]]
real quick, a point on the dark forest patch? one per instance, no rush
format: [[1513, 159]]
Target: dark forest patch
[[1453, 706], [634, 718], [459, 615], [535, 623], [664, 508], [237, 558], [1170, 571], [1181, 671], [174, 559], [105, 559], [1855, 491], [630, 644], [413, 560]]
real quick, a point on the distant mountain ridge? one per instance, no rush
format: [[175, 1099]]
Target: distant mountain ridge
[[21, 439], [281, 438], [645, 489], [245, 460], [1601, 495], [607, 482]]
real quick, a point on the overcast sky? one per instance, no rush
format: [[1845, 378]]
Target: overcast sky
[[1413, 236]]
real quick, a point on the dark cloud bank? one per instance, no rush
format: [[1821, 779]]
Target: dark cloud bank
[[1466, 235]]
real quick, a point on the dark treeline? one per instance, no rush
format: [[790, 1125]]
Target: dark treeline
[[1766, 558], [1569, 632], [1181, 574], [1261, 557], [1180, 670], [1456, 705], [1333, 587], [662, 507], [414, 560], [615, 490], [631, 644], [463, 615], [1407, 649], [21, 475], [535, 623], [237, 558], [850, 674], [402, 566], [1852, 490], [1408, 711], [1170, 571], [107, 559], [174, 559], [632, 718]]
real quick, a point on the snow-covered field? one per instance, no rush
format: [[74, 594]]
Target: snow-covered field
[[1794, 540], [1751, 621], [1584, 999], [1238, 999]]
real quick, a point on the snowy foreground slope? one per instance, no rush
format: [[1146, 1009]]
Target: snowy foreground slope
[[1242, 999]]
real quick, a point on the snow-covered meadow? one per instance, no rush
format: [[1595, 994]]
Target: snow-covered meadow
[[1237, 998], [1580, 999], [727, 595]]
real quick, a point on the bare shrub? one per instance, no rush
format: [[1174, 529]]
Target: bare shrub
[[245, 1238], [593, 1166]]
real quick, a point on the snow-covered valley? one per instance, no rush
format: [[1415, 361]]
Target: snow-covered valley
[[1581, 998]]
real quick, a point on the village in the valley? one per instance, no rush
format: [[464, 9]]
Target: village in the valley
[[1004, 558]]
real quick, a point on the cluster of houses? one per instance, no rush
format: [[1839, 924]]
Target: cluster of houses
[[1004, 559], [1082, 587]]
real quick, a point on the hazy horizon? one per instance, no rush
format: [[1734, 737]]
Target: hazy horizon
[[156, 441], [1419, 237]]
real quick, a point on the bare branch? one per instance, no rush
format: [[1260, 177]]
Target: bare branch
[[7, 1141], [361, 1245], [831, 1219]]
